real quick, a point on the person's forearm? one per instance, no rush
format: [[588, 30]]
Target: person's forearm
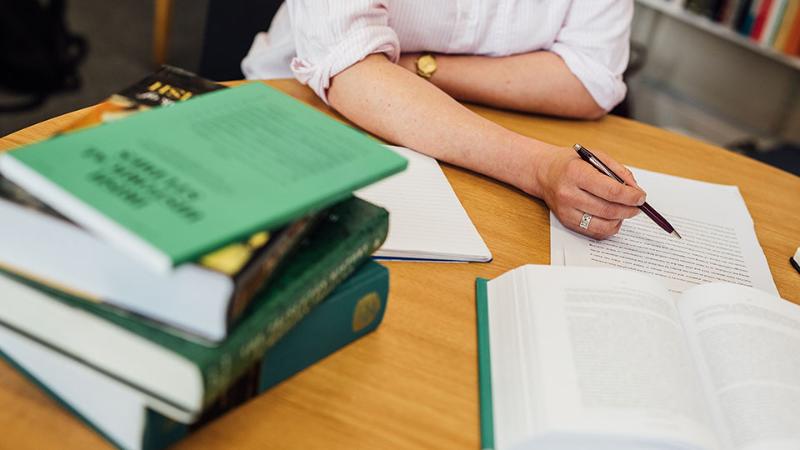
[[403, 108], [538, 82]]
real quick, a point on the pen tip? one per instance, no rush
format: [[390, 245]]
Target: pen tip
[[675, 234]]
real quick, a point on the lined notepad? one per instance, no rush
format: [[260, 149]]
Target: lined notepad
[[426, 219]]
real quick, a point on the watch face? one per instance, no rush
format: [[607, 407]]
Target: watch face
[[426, 64]]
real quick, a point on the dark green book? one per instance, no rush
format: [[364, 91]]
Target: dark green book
[[180, 377], [168, 185], [354, 309]]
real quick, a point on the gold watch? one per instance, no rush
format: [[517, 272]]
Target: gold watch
[[426, 66]]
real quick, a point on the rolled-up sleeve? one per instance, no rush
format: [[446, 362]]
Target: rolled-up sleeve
[[332, 35], [594, 44]]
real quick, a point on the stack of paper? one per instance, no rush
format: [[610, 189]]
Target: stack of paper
[[426, 219], [719, 242]]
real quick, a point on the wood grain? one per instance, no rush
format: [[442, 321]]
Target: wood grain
[[413, 383]]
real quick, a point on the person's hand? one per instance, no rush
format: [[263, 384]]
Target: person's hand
[[572, 187]]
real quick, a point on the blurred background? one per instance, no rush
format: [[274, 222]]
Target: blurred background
[[698, 67]]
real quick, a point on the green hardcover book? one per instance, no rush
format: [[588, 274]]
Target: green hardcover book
[[180, 377], [354, 309], [171, 184]]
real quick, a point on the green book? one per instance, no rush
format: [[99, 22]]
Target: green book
[[189, 376], [354, 309], [173, 183]]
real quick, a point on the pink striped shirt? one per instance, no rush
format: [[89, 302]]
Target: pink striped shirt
[[313, 40]]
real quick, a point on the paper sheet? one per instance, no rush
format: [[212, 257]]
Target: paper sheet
[[719, 242], [426, 219]]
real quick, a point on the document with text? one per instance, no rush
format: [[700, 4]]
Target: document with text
[[719, 242]]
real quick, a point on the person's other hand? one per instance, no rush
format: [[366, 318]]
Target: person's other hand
[[572, 187]]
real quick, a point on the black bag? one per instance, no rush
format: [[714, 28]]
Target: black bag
[[38, 55]]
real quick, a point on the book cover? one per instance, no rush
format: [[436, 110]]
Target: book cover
[[345, 238], [249, 263], [164, 87], [170, 184], [353, 310]]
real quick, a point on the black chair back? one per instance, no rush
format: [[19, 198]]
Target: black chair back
[[230, 28]]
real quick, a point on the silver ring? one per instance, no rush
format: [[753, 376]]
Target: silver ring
[[585, 221]]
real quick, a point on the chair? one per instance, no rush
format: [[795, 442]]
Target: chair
[[229, 31]]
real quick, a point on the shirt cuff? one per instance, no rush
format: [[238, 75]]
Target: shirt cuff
[[317, 74], [606, 88]]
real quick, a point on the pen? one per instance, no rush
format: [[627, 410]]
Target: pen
[[587, 156]]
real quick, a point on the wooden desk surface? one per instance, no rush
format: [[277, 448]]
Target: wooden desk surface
[[413, 383]]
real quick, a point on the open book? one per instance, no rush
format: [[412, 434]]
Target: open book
[[601, 358]]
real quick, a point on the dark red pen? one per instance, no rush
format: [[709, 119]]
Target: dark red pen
[[587, 156]]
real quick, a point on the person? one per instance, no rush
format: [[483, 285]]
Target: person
[[398, 68]]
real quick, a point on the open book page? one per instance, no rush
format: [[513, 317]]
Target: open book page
[[747, 347], [598, 353], [719, 242], [426, 219]]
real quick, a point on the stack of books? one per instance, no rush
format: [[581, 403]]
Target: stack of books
[[772, 23], [161, 266]]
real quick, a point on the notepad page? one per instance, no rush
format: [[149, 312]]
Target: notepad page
[[719, 242], [426, 219]]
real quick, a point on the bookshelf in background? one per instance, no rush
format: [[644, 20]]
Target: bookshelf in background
[[768, 27]]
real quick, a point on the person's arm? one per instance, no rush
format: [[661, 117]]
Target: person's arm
[[393, 103], [537, 82], [578, 75]]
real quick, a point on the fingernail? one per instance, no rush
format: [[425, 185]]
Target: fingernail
[[641, 200]]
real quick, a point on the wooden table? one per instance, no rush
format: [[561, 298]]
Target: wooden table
[[413, 383]]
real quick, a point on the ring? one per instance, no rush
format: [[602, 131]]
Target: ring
[[585, 221]]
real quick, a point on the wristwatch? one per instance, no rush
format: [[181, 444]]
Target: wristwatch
[[426, 66]]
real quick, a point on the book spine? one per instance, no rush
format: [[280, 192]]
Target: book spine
[[773, 21], [750, 17], [338, 321], [222, 371], [741, 16], [484, 365], [761, 19], [793, 41], [258, 272], [352, 311]]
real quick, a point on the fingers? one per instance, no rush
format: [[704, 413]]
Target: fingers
[[599, 207], [594, 182], [622, 171], [599, 228]]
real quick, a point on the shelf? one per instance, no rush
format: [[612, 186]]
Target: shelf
[[675, 10]]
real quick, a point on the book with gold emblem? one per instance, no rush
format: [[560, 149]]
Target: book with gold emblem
[[353, 310], [177, 377]]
